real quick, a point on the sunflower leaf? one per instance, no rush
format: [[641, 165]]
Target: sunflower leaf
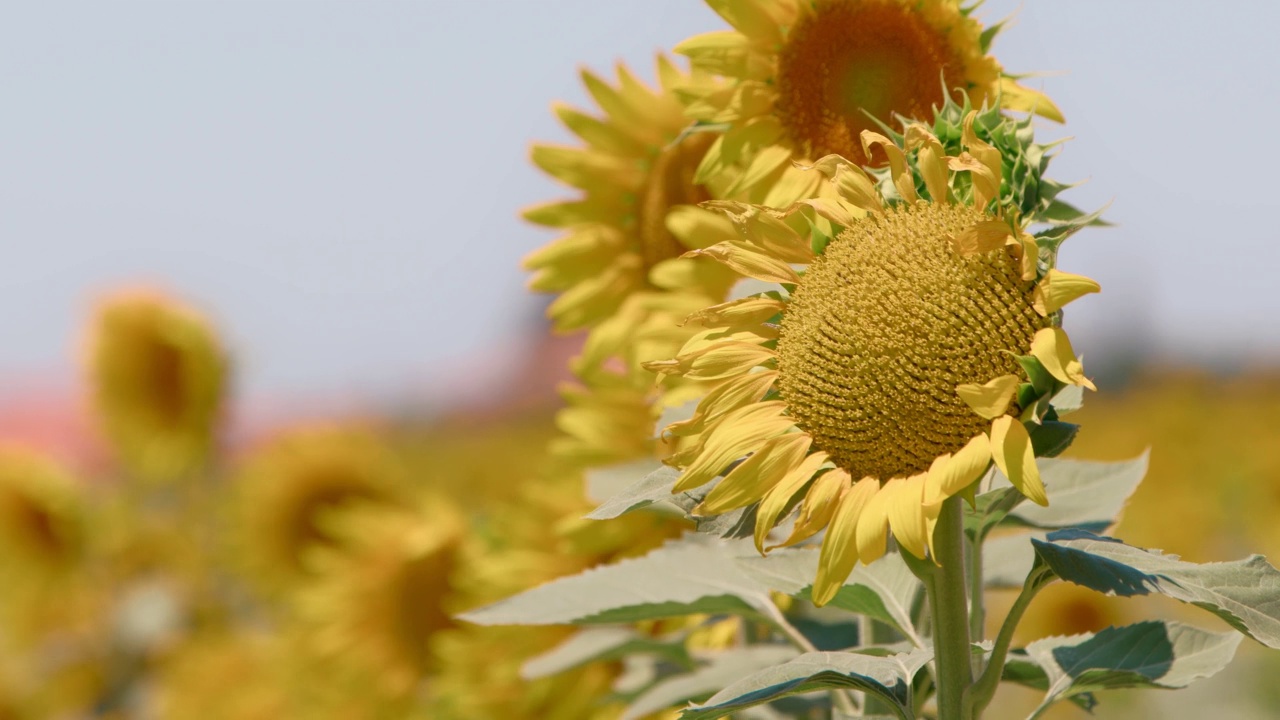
[[1152, 654], [1245, 593], [694, 574], [602, 643], [1082, 493], [886, 678], [721, 670], [652, 488], [989, 509]]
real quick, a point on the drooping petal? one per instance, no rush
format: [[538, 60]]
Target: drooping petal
[[743, 313], [697, 228], [1019, 97], [1058, 288], [748, 262], [906, 512], [980, 149], [777, 500], [990, 400], [840, 548], [981, 237], [819, 504], [735, 435], [716, 362], [755, 476], [931, 159], [1052, 348], [950, 474], [986, 185], [727, 396], [1012, 451], [873, 527], [898, 169]]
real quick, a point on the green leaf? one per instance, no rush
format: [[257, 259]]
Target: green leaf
[[1082, 493], [1153, 654], [1037, 375], [1007, 560], [989, 509], [1050, 438], [1245, 593], [652, 488], [887, 678], [695, 574], [603, 484], [603, 643], [1069, 399], [720, 671], [884, 590]]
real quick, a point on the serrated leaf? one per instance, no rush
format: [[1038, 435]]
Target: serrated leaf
[[884, 590], [602, 643], [1082, 493], [1051, 438], [652, 488], [1153, 654], [1007, 560], [1245, 593], [887, 678], [989, 509], [694, 574], [720, 671], [603, 484], [1069, 399]]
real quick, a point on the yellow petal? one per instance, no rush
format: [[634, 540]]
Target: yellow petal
[[819, 503], [1058, 288], [840, 550], [1053, 349], [1018, 97], [991, 399], [986, 185], [764, 164], [952, 473], [727, 396], [906, 512], [982, 236], [697, 228], [851, 183], [748, 262], [873, 526], [931, 159], [759, 20], [743, 312], [777, 238], [721, 360], [755, 476], [792, 185], [725, 52], [898, 169], [778, 498], [734, 435], [689, 273], [586, 169], [835, 210], [978, 148], [1012, 451], [1028, 252]]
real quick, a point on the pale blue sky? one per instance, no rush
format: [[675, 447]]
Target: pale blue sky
[[338, 182]]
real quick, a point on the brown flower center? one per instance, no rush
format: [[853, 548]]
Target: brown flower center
[[851, 58], [885, 325]]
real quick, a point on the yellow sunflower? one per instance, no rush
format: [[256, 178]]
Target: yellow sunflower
[[808, 77], [922, 344], [285, 488], [636, 212], [385, 592], [158, 372], [42, 530]]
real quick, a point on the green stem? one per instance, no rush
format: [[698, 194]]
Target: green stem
[[977, 587], [985, 688], [948, 602]]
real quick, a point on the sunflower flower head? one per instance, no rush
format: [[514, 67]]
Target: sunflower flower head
[[920, 343], [636, 212], [42, 533], [158, 373], [284, 489], [384, 591], [807, 78]]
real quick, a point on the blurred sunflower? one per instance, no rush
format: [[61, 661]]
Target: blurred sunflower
[[222, 676], [809, 77], [635, 167], [384, 592], [42, 523], [286, 486], [918, 347], [158, 374]]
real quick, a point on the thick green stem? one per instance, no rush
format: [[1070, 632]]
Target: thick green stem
[[977, 587], [948, 603], [985, 688]]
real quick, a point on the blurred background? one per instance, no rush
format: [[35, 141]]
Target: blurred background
[[336, 186]]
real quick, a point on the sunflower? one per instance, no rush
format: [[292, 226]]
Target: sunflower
[[636, 213], [158, 373], [285, 488], [809, 77], [42, 530], [920, 345], [384, 591]]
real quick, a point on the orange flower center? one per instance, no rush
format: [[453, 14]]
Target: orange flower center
[[851, 58]]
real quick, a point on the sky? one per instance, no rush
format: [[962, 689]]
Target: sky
[[337, 183]]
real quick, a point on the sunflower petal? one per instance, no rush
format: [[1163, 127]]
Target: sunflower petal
[[734, 435], [952, 473], [991, 399], [983, 236], [755, 476], [1058, 288], [840, 548], [779, 497], [819, 504], [906, 512], [1012, 451], [1052, 348], [748, 262], [898, 170], [1018, 97], [873, 526]]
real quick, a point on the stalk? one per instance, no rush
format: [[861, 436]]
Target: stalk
[[948, 603]]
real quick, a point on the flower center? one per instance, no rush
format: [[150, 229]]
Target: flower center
[[849, 58], [669, 183], [885, 325]]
